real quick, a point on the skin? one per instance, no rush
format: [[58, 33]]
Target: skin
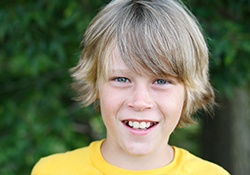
[[128, 96]]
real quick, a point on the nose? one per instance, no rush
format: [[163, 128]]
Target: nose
[[141, 99]]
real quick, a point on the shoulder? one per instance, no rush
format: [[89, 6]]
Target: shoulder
[[63, 162], [196, 166]]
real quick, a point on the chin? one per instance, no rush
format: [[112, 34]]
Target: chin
[[138, 149]]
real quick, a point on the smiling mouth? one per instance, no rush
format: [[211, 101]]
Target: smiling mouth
[[144, 125]]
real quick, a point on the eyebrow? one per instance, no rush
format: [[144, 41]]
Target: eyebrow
[[130, 72]]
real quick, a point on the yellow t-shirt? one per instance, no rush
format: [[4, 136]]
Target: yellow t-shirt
[[89, 161]]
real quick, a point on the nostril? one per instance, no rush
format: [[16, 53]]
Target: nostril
[[140, 105], [141, 98]]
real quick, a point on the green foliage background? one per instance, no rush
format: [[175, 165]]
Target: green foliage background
[[40, 41]]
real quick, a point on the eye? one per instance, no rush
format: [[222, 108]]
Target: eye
[[121, 79], [161, 81]]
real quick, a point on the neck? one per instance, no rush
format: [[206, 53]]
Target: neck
[[118, 157]]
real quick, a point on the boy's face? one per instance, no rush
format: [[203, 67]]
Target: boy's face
[[140, 111]]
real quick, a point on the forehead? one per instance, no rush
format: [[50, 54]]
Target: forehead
[[132, 64], [118, 65]]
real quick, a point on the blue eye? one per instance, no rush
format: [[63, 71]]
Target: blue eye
[[161, 81], [121, 79]]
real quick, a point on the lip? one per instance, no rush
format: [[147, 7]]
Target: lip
[[140, 132]]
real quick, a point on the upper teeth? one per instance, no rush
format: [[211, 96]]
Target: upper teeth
[[137, 125]]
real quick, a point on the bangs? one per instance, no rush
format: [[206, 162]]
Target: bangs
[[140, 52], [146, 42], [164, 45]]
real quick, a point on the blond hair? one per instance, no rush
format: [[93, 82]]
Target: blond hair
[[161, 36]]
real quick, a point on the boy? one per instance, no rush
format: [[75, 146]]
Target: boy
[[146, 63]]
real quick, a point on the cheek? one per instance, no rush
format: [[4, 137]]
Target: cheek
[[106, 96], [180, 104], [173, 105], [173, 112], [111, 96], [110, 101], [106, 108]]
